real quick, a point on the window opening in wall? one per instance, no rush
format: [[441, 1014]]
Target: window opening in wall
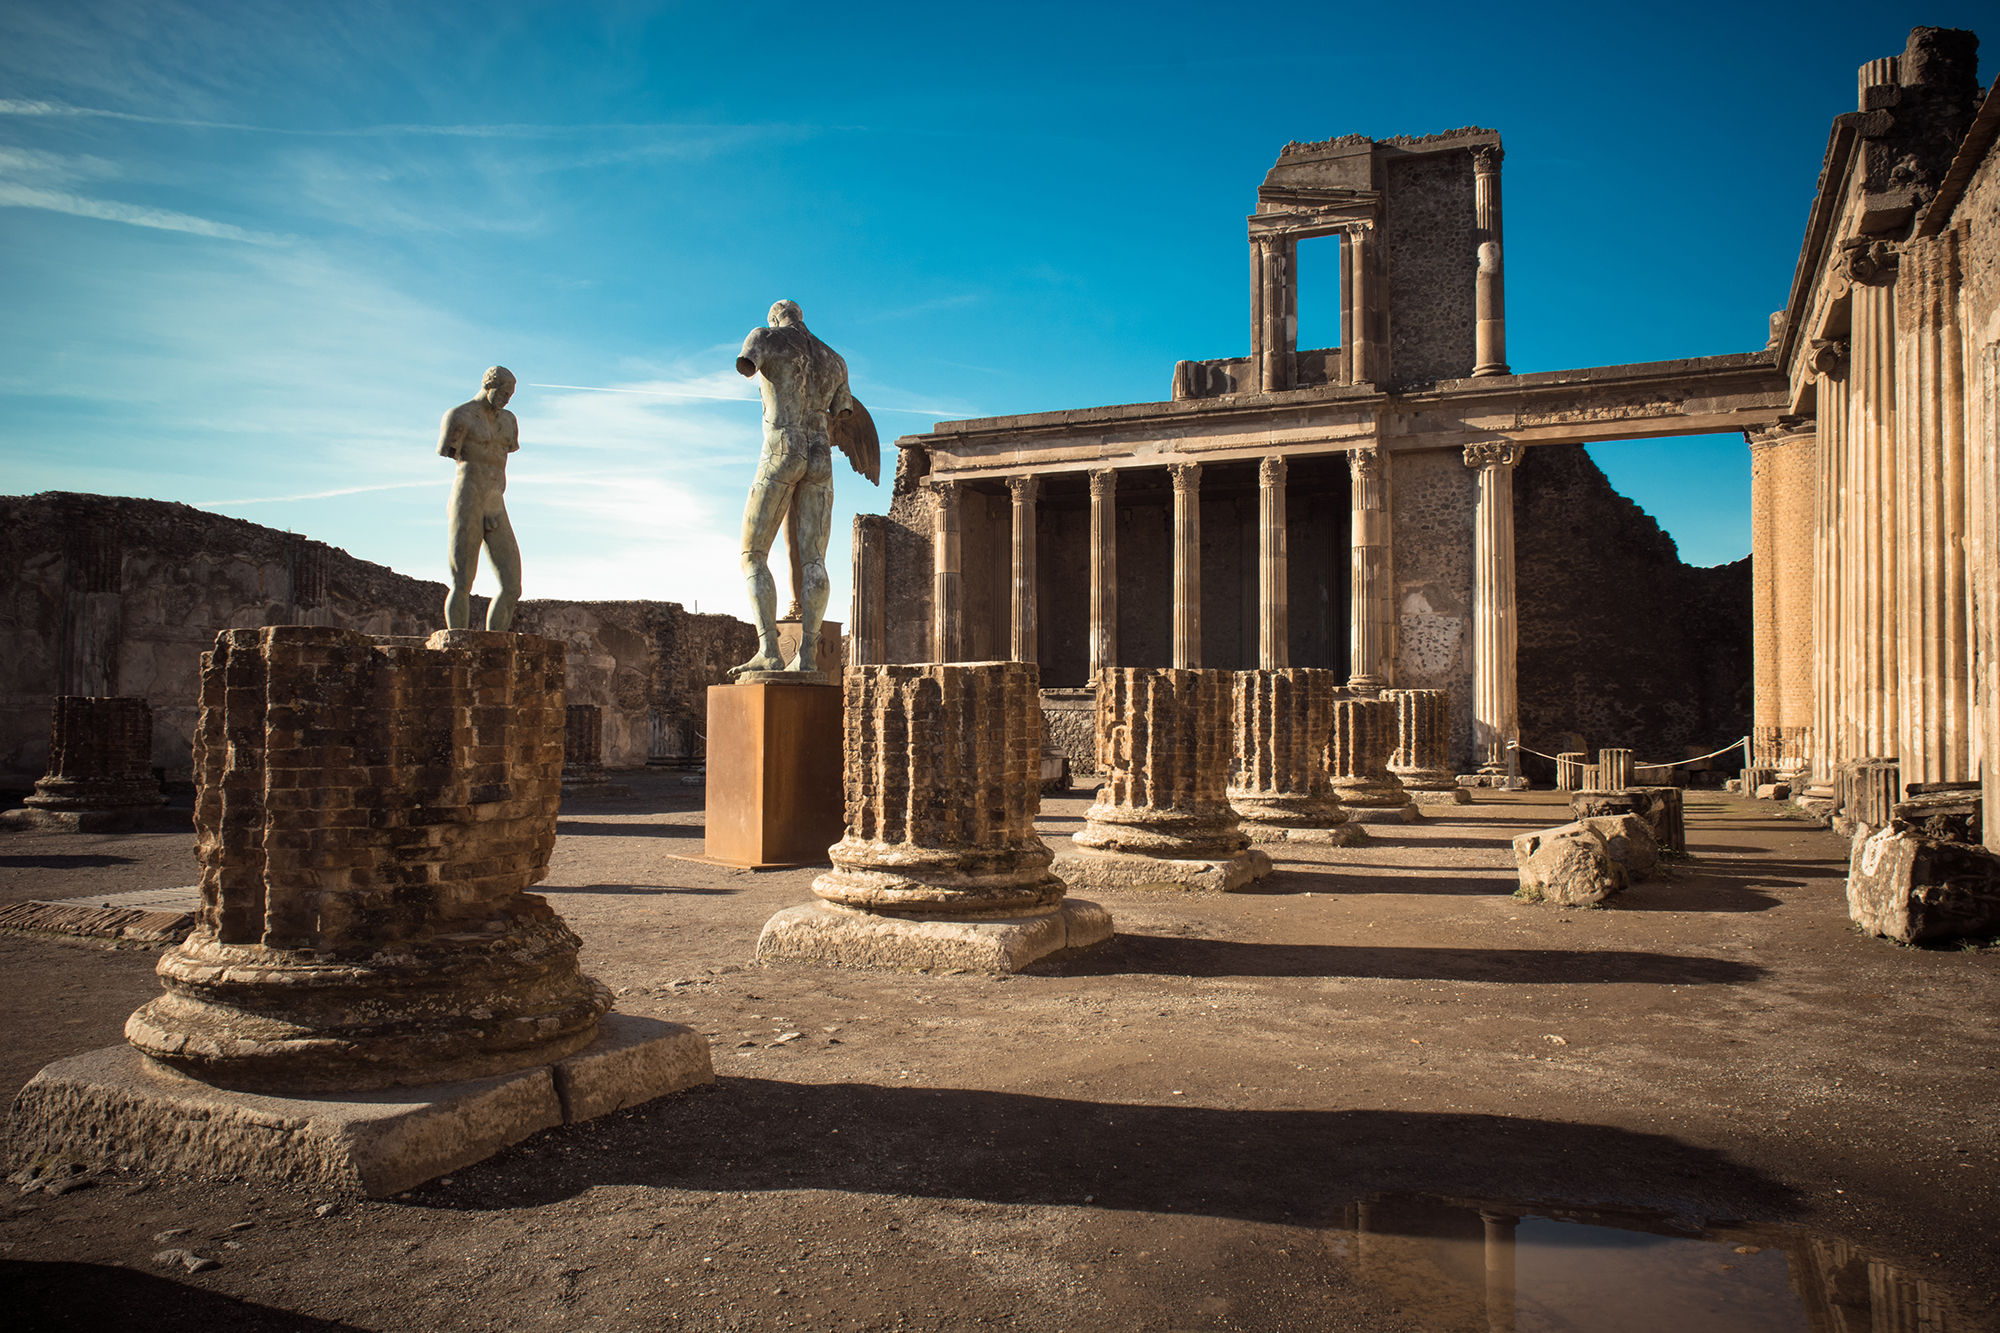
[[1319, 307]]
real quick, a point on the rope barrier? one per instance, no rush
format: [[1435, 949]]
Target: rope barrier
[[1742, 742]]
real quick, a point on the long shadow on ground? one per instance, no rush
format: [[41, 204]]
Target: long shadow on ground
[[94, 1298], [1193, 956], [1298, 1166]]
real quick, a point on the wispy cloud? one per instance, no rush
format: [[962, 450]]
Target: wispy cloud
[[14, 195], [320, 495], [24, 107]]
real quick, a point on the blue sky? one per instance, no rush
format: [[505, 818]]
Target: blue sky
[[249, 253]]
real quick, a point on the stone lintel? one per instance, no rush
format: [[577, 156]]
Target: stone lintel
[[1638, 401], [116, 1107], [1088, 868], [819, 932]]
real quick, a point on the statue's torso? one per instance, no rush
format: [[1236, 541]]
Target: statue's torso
[[798, 376]]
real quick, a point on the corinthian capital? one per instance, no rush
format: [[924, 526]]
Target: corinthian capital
[[1103, 483], [1364, 464], [1493, 453], [1187, 477], [1271, 470], [1025, 489], [1486, 157]]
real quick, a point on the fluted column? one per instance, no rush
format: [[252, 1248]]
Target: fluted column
[[1421, 759], [1875, 507], [1984, 487], [1274, 313], [1357, 762], [1163, 819], [939, 865], [1495, 713], [1282, 721], [1026, 638], [1103, 570], [1187, 565], [1935, 740], [1831, 723], [1273, 597], [868, 634], [1371, 606], [1489, 294], [947, 597], [1357, 248]]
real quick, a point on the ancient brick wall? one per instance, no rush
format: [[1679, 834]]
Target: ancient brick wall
[[1620, 641], [909, 567], [1429, 217], [111, 595], [1432, 494]]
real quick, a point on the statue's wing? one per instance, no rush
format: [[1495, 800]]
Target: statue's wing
[[855, 433]]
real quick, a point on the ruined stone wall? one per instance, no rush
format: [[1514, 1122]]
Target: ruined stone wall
[[648, 665], [1062, 590], [1432, 494], [1429, 217], [1069, 724], [1619, 641], [909, 568], [108, 595]]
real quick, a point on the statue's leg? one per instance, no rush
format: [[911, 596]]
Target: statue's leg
[[792, 555], [813, 502], [462, 560], [505, 554], [778, 473]]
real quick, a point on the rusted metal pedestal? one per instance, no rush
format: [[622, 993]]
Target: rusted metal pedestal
[[774, 774]]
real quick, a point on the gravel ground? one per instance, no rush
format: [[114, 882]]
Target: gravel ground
[[1186, 1128]]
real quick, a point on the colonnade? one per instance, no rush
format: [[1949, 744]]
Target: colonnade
[[1372, 602]]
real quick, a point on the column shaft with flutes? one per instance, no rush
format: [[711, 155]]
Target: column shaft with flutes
[[1495, 708], [1103, 570], [1372, 622], [1489, 292], [1273, 598], [1026, 638], [947, 604], [1187, 565]]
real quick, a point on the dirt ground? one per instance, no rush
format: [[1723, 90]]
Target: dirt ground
[[1171, 1132]]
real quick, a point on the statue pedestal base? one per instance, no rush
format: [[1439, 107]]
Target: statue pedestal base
[[774, 774]]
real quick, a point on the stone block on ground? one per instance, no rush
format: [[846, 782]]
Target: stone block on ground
[[1664, 808], [1915, 889], [822, 932], [1773, 791], [1092, 868], [1629, 841], [1452, 795], [1946, 811], [1569, 866], [117, 1108]]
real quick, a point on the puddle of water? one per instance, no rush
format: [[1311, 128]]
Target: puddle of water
[[1496, 1266]]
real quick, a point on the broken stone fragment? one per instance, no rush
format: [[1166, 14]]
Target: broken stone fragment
[[1914, 888], [1568, 865], [1628, 840]]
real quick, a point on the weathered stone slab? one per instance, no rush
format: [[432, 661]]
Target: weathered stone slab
[[1913, 888], [1091, 868], [822, 932], [1569, 866], [1946, 811], [1628, 840], [116, 1107], [1664, 808]]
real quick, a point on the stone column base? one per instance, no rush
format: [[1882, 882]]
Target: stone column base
[[1089, 868], [1439, 796], [1346, 834], [820, 932], [1406, 813], [116, 1107], [1497, 781], [130, 819]]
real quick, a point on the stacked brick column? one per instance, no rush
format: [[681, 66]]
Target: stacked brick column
[[371, 813], [940, 866], [1279, 790], [1421, 759], [1163, 817], [100, 761], [1364, 733]]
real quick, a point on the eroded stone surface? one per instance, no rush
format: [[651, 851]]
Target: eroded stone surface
[[1164, 744], [940, 865], [1282, 720], [1913, 888], [371, 813], [1568, 865], [1421, 755], [1364, 734]]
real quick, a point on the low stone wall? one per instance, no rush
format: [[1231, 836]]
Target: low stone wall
[[1069, 724], [106, 595]]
